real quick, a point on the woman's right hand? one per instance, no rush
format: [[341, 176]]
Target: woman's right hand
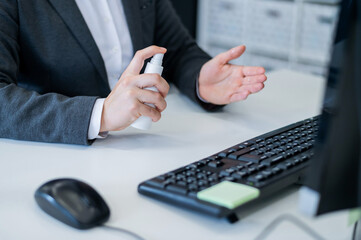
[[126, 102]]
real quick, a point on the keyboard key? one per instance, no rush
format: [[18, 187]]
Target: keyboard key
[[277, 160], [161, 177], [296, 161], [304, 158], [157, 183], [249, 143], [285, 165], [276, 170], [182, 183], [240, 174], [239, 153], [257, 178], [267, 173], [261, 166], [192, 187], [273, 161], [191, 179], [227, 172], [202, 184], [215, 164], [251, 170], [250, 158], [190, 173]]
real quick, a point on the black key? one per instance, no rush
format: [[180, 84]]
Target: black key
[[201, 164], [192, 187], [212, 179], [267, 174], [241, 147], [276, 170], [243, 173], [216, 164], [191, 166], [249, 143], [157, 183], [170, 175], [270, 154], [161, 177], [296, 161], [226, 153], [237, 176], [202, 183], [227, 172], [240, 167], [277, 160], [251, 170], [180, 176], [273, 161], [177, 189], [231, 179], [285, 165], [201, 176], [191, 179], [182, 183], [261, 166], [190, 173], [239, 153], [257, 178], [304, 158], [214, 158], [263, 157], [250, 158]]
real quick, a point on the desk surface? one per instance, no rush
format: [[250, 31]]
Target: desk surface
[[116, 165]]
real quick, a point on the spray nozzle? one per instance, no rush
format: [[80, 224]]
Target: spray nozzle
[[157, 59]]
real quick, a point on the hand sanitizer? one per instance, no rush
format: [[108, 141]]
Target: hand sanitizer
[[154, 66]]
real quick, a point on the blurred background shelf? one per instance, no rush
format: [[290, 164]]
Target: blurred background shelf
[[293, 34]]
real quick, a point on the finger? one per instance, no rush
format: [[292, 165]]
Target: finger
[[140, 56], [252, 88], [152, 80], [148, 96], [254, 79], [231, 54], [239, 96], [148, 111], [245, 91], [252, 71]]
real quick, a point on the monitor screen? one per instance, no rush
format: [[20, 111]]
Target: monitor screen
[[333, 180]]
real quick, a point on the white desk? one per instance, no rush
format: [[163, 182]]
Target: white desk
[[115, 166]]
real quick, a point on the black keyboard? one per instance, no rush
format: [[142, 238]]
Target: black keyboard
[[265, 164]]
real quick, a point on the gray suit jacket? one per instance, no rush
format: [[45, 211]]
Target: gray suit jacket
[[51, 71]]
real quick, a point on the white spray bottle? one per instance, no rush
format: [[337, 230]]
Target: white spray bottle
[[154, 66]]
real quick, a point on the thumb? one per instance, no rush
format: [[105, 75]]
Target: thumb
[[140, 56], [231, 54]]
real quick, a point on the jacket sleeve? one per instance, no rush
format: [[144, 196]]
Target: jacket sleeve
[[28, 115], [184, 58]]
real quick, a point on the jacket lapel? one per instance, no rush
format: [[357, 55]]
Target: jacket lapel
[[132, 14], [71, 15]]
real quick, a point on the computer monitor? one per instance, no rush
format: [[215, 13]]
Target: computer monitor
[[333, 180]]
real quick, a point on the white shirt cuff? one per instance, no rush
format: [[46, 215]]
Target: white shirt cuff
[[95, 121]]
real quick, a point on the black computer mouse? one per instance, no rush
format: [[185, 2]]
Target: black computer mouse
[[73, 202]]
